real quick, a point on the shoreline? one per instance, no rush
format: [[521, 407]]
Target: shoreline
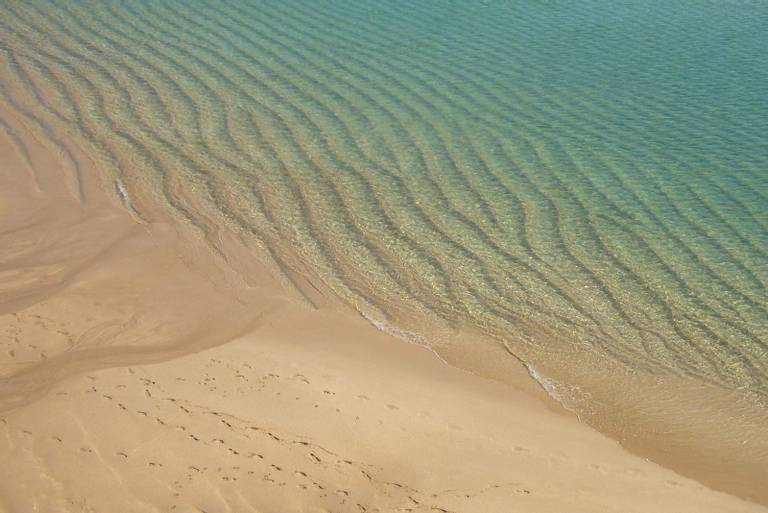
[[101, 311]]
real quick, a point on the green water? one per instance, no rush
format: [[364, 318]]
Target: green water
[[583, 183]]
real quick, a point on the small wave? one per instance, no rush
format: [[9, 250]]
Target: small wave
[[125, 199], [570, 397], [405, 335], [408, 336]]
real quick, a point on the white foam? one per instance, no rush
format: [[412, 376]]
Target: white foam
[[125, 199], [404, 335], [123, 193], [408, 336], [570, 396]]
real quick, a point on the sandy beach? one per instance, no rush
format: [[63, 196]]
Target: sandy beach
[[139, 372]]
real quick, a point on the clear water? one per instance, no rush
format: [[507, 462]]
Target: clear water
[[584, 183]]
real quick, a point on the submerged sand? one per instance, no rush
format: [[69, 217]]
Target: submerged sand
[[139, 372]]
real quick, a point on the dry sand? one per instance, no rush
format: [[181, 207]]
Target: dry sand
[[138, 374]]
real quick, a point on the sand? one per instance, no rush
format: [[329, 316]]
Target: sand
[[139, 372]]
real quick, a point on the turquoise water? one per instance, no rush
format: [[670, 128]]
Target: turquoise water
[[582, 183]]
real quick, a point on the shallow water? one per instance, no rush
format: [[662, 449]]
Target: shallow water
[[584, 183]]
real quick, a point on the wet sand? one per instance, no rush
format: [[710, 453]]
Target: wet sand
[[140, 372]]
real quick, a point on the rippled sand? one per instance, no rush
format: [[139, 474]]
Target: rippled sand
[[138, 374], [580, 188]]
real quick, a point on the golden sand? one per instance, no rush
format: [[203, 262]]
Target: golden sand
[[139, 373]]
